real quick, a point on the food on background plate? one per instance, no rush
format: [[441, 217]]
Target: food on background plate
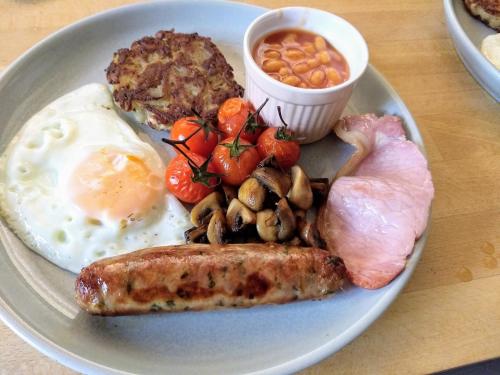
[[166, 77], [300, 58], [77, 184], [201, 277], [379, 204], [490, 47], [488, 11]]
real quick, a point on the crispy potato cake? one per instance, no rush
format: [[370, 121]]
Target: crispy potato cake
[[166, 77], [487, 11]]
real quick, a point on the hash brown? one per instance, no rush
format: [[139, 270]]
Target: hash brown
[[488, 11], [166, 77]]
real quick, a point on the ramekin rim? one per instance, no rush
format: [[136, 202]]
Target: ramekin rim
[[280, 85]]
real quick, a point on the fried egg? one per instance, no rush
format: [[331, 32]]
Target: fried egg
[[77, 184]]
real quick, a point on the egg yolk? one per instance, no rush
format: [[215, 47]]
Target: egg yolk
[[116, 184]]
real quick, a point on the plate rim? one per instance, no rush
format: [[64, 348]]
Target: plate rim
[[458, 35], [74, 361]]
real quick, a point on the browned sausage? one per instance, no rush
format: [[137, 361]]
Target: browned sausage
[[200, 277]]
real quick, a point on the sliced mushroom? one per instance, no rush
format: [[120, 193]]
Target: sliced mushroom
[[300, 194], [230, 192], [252, 194], [320, 188], [197, 234], [275, 180], [239, 216], [267, 225], [217, 228], [309, 233], [299, 215], [286, 220], [202, 212]]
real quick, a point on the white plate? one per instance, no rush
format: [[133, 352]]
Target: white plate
[[36, 297], [467, 33]]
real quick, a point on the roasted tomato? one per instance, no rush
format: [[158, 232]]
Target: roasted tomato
[[190, 180], [203, 136], [280, 143], [235, 159], [235, 113]]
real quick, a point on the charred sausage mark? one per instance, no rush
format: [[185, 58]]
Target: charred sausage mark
[[256, 285], [146, 295], [193, 290]]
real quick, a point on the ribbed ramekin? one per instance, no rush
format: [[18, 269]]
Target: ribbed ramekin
[[310, 113]]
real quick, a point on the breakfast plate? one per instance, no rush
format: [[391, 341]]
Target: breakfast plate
[[36, 297], [467, 33]]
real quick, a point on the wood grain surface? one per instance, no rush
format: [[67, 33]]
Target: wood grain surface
[[449, 313]]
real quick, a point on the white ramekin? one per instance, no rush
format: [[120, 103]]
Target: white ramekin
[[310, 113]]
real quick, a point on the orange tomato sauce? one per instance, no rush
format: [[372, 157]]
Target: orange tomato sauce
[[301, 58]]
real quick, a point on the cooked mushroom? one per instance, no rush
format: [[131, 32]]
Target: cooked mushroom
[[286, 220], [320, 188], [197, 234], [239, 216], [275, 180], [300, 194], [230, 192], [267, 225], [309, 233], [299, 215], [252, 194], [295, 241], [202, 212], [247, 235], [217, 228]]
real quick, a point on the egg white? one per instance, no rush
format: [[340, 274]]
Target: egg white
[[34, 171]]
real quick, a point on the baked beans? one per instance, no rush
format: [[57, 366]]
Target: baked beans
[[301, 58]]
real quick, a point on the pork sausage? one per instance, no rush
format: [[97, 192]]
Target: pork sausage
[[202, 277]]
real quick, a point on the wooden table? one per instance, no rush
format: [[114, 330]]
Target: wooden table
[[449, 313]]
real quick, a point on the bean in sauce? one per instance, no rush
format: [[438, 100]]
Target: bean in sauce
[[301, 58]]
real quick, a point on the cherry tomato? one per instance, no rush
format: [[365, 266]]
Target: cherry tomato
[[233, 114], [181, 180], [280, 143], [235, 159], [202, 143]]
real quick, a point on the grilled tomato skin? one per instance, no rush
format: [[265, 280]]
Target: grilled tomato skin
[[280, 143], [202, 143], [233, 114], [179, 178], [235, 166]]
